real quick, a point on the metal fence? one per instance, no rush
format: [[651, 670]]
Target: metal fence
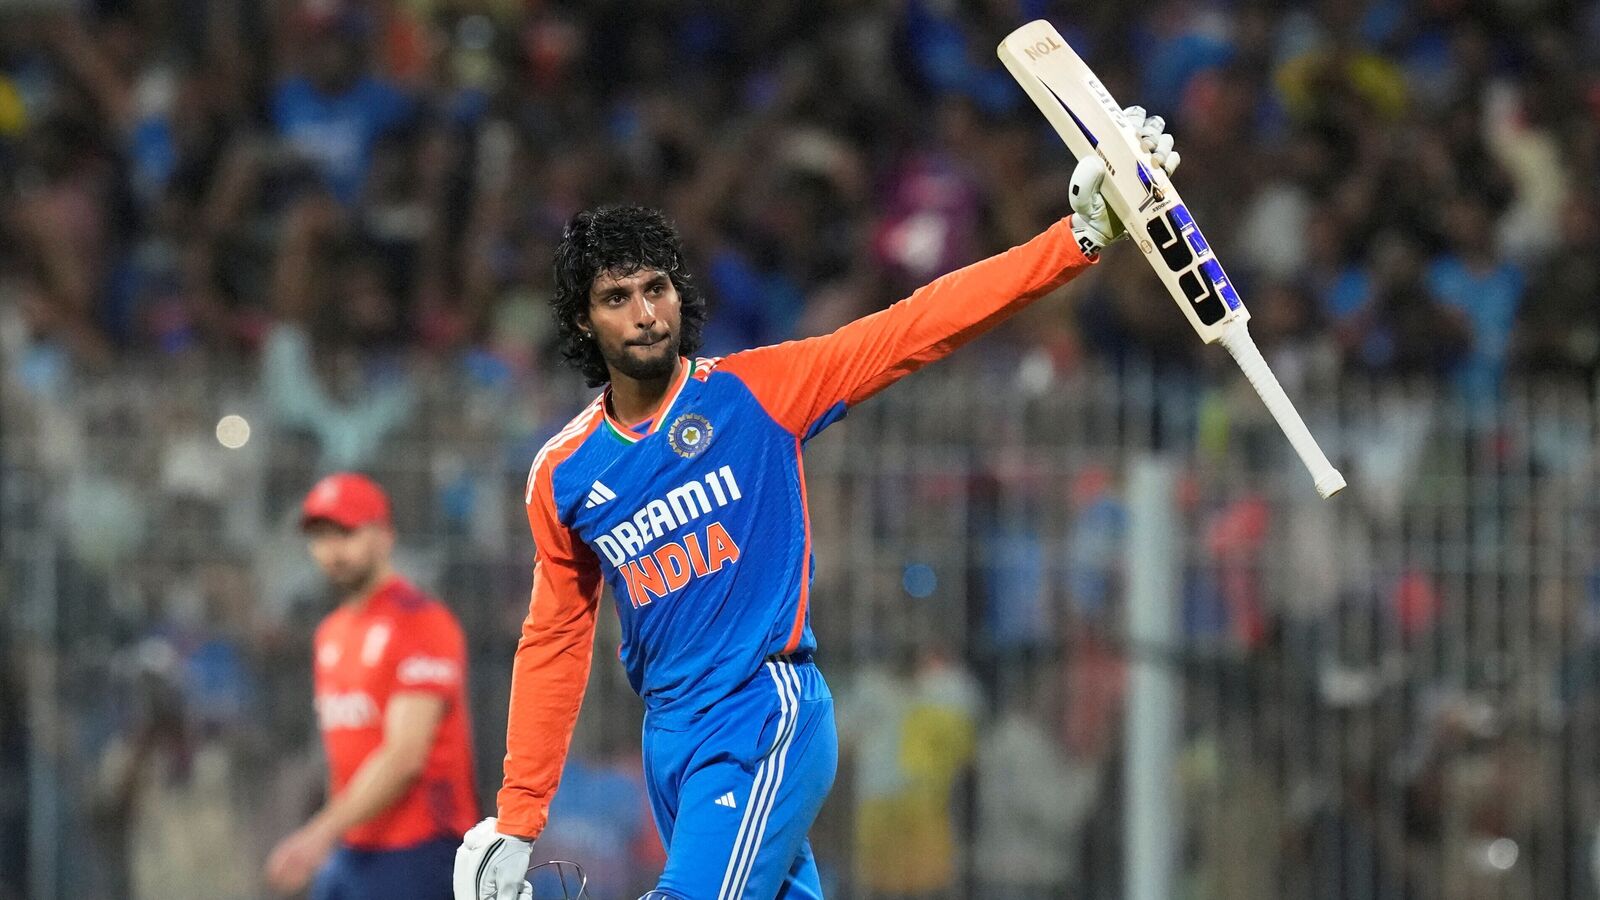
[[1391, 695]]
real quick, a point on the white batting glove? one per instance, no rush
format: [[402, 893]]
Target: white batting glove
[[1094, 225], [1153, 138], [491, 865]]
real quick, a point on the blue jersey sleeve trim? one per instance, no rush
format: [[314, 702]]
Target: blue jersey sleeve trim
[[833, 414]]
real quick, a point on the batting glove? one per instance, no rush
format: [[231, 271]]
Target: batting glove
[[1153, 138], [491, 865], [1094, 225]]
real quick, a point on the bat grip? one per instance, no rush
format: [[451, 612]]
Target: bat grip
[[1237, 340]]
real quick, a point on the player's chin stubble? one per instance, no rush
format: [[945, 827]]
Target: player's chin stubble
[[351, 582], [646, 363]]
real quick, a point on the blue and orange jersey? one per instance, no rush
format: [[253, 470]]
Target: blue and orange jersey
[[397, 641], [698, 519]]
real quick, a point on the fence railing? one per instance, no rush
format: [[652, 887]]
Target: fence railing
[[1395, 694]]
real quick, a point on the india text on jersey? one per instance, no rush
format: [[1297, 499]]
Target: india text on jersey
[[680, 506]]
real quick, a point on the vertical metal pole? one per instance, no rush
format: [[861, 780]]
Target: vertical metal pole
[[1153, 821], [39, 635]]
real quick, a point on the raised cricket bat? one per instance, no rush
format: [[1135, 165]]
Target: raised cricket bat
[[1142, 196]]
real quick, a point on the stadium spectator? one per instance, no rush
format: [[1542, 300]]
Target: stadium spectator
[[1558, 329], [167, 785], [1487, 291], [334, 111], [914, 732], [1032, 799], [328, 363], [1389, 320]]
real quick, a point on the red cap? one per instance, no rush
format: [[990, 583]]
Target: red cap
[[347, 500]]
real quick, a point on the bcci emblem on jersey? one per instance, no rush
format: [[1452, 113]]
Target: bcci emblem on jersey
[[689, 435]]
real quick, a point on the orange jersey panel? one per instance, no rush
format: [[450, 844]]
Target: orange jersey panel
[[551, 669]]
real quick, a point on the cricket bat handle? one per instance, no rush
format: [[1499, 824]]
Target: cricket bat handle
[[1236, 338]]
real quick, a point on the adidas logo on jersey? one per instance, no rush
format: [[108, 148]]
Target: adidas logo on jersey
[[598, 494], [728, 801]]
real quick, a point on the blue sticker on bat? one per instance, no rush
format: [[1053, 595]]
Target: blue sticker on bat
[[1214, 274], [1152, 194], [1191, 231], [1093, 141]]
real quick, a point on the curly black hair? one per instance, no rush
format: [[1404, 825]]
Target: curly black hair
[[622, 240]]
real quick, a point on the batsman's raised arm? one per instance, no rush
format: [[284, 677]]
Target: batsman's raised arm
[[809, 383]]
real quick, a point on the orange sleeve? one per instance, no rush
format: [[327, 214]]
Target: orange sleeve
[[806, 384], [552, 665]]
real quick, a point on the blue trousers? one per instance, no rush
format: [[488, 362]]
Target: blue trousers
[[420, 872], [735, 793]]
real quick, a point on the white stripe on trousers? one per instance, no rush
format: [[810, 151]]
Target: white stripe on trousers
[[764, 789], [792, 683], [758, 786], [787, 682]]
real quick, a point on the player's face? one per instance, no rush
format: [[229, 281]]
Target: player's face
[[350, 558], [634, 319]]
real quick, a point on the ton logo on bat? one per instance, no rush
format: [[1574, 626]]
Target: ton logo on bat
[[1040, 48]]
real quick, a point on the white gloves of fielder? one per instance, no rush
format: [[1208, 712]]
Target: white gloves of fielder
[[491, 865], [1093, 224]]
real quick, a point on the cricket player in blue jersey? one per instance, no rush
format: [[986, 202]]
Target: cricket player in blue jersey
[[681, 487]]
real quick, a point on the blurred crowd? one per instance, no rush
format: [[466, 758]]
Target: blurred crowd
[[1408, 185], [333, 219]]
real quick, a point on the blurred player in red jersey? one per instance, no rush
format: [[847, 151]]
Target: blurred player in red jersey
[[389, 672]]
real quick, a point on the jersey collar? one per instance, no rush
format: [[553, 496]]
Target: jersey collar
[[628, 434]]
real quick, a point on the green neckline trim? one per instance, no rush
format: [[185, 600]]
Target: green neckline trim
[[617, 433]]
